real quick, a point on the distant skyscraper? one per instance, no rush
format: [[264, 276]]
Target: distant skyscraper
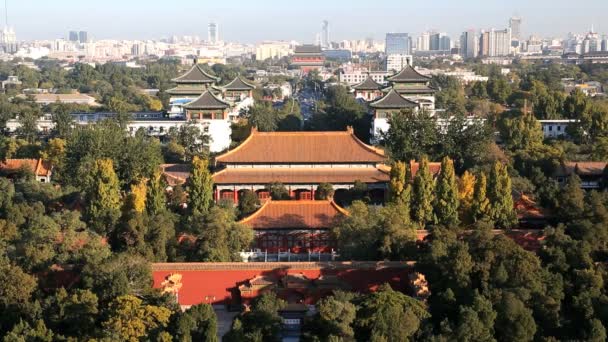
[[469, 44], [440, 42], [213, 34], [515, 26], [325, 42], [8, 40], [83, 37], [495, 43], [398, 44], [423, 42], [73, 36]]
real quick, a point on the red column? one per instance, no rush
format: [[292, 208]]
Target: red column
[[312, 192], [236, 196], [216, 195]]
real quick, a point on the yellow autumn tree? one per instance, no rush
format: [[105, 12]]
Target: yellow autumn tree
[[137, 197], [466, 189]]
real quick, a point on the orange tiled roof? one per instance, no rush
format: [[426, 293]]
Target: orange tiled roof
[[302, 147], [295, 215], [37, 166], [582, 168], [434, 168], [176, 173], [300, 175]]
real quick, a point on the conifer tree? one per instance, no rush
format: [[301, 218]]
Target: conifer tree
[[446, 195], [502, 211], [200, 187], [466, 190], [155, 197], [103, 195], [480, 205], [401, 191], [422, 201], [398, 181]]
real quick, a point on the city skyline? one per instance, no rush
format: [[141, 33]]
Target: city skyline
[[302, 22]]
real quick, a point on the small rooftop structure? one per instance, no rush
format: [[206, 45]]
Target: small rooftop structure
[[207, 100], [42, 170]]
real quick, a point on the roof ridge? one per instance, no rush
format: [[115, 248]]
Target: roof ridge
[[364, 145], [256, 213], [254, 130]]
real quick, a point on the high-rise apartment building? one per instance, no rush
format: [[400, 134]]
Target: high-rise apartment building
[[469, 44], [423, 42], [495, 43], [73, 36], [515, 26], [395, 63], [83, 37], [398, 44], [325, 42], [213, 35], [440, 42]]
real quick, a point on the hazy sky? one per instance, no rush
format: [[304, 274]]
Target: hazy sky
[[255, 20]]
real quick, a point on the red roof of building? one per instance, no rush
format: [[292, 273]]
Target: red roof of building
[[37, 166], [303, 147], [300, 175], [581, 168], [217, 283], [295, 215]]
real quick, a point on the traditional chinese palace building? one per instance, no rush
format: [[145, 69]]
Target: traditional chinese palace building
[[308, 58], [197, 98], [300, 161], [295, 226], [408, 90], [368, 90], [188, 87]]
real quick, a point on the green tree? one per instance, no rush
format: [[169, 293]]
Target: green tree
[[278, 191], [248, 203], [520, 131], [198, 323], [155, 198], [480, 206], [502, 210], [571, 200], [103, 196], [499, 89], [325, 191], [446, 195], [72, 314], [411, 135], [388, 315], [200, 187], [25, 332], [422, 194], [514, 321], [129, 319]]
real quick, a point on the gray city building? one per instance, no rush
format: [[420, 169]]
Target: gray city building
[[83, 37], [73, 36], [213, 34], [398, 44], [515, 26], [469, 44]]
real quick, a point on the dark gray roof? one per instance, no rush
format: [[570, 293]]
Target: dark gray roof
[[238, 84], [308, 49], [368, 84], [196, 74], [408, 74], [417, 89], [393, 100], [207, 101]]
